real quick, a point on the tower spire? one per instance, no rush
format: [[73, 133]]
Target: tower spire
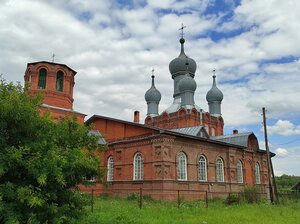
[[181, 28]]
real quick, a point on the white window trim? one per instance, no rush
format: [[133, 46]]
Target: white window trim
[[239, 172], [138, 167], [220, 170], [110, 169], [181, 168], [257, 173], [200, 170]]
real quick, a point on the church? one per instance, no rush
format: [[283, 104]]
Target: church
[[181, 150]]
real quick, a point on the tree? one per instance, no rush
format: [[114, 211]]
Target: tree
[[41, 162]]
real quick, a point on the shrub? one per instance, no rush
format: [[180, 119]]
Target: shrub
[[232, 199], [251, 195]]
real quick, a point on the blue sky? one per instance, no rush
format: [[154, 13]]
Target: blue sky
[[113, 45]]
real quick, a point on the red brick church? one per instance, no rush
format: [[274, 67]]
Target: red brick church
[[181, 148]]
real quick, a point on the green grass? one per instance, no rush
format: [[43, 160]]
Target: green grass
[[116, 210]]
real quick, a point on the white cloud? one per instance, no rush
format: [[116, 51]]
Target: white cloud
[[284, 127], [113, 48], [281, 152]]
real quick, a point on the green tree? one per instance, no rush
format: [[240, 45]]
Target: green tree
[[41, 162]]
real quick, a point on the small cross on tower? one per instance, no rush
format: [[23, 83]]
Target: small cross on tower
[[53, 55], [152, 72], [182, 27], [214, 72]]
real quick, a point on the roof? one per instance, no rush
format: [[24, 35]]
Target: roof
[[240, 139], [194, 131], [60, 108], [296, 186], [101, 140], [52, 63], [181, 132]]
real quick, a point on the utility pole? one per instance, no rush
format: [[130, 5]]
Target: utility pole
[[270, 173]]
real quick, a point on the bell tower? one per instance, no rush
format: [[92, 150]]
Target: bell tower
[[55, 82]]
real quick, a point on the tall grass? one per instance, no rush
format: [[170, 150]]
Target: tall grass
[[117, 210]]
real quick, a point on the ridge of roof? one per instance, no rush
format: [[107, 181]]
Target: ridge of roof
[[52, 63]]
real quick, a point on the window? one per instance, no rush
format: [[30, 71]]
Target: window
[[181, 167], [213, 133], [42, 78], [239, 172], [220, 170], [202, 169], [110, 169], [59, 81], [138, 167], [257, 173]]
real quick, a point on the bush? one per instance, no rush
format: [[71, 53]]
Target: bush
[[251, 195], [232, 199]]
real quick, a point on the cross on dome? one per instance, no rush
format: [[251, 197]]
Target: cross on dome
[[182, 27]]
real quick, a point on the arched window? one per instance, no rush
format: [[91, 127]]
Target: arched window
[[42, 79], [239, 172], [206, 129], [110, 169], [257, 173], [202, 169], [181, 167], [138, 167], [59, 81], [213, 132], [220, 170]]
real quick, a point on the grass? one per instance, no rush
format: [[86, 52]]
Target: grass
[[117, 210]]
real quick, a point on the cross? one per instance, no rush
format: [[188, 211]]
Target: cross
[[53, 55], [152, 72], [182, 27]]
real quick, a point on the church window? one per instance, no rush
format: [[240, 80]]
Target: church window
[[110, 169], [181, 167], [138, 167], [213, 132], [42, 78], [59, 81], [239, 171], [257, 173], [220, 170], [202, 169]]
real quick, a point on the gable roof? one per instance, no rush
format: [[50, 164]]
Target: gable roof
[[240, 139], [198, 131], [101, 140]]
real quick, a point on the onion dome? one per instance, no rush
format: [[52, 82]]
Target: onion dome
[[214, 94], [187, 83], [152, 94], [178, 65]]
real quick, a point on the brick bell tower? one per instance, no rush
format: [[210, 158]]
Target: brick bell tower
[[55, 82]]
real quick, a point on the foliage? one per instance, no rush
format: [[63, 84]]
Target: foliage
[[251, 194], [285, 183], [117, 210], [41, 162], [232, 199]]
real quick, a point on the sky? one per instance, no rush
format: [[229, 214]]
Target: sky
[[114, 45]]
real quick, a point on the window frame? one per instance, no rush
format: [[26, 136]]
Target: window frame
[[220, 177], [110, 169], [138, 166], [257, 173], [239, 172], [59, 81], [202, 169], [42, 81], [181, 166]]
